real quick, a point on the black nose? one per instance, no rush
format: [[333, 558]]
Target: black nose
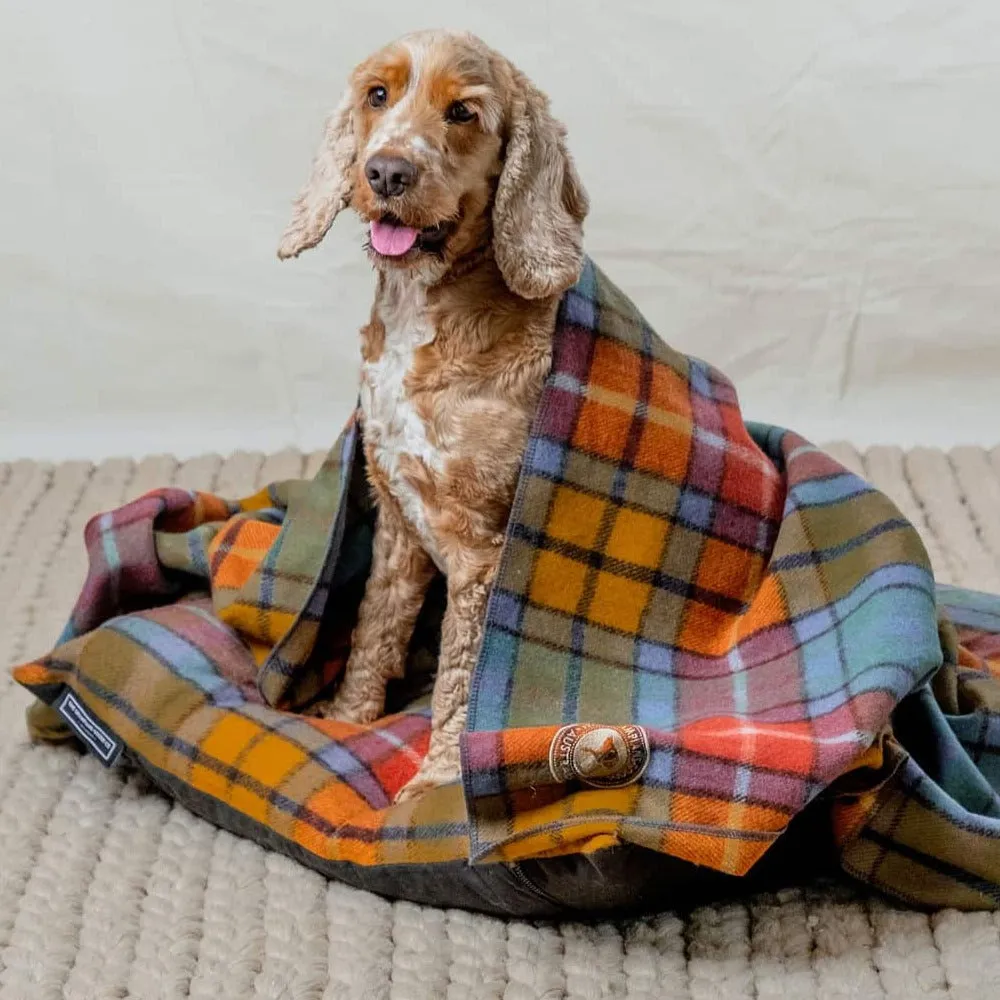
[[390, 176]]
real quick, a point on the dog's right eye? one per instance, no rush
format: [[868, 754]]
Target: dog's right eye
[[377, 97]]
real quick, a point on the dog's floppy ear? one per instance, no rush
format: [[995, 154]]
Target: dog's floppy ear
[[540, 202], [328, 190]]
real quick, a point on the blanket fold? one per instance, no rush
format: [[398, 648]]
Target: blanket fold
[[701, 627]]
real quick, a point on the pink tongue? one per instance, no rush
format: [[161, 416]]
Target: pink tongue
[[392, 241]]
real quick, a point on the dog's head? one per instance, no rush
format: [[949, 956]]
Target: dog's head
[[440, 145]]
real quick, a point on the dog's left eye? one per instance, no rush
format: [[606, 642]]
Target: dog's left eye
[[377, 97], [460, 113]]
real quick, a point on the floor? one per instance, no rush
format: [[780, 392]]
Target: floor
[[107, 890]]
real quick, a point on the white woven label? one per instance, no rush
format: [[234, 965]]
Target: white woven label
[[104, 745]]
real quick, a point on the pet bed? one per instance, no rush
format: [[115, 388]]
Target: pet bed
[[750, 630]]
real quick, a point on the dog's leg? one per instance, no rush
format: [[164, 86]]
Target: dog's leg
[[400, 574], [461, 637]]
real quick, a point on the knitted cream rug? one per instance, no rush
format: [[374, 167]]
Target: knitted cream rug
[[108, 890]]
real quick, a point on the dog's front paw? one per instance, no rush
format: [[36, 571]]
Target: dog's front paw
[[432, 774], [358, 707]]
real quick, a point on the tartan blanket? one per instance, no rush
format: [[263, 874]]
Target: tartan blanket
[[748, 628]]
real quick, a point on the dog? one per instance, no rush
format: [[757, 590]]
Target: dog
[[475, 212]]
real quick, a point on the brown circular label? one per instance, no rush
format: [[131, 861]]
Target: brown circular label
[[600, 756]]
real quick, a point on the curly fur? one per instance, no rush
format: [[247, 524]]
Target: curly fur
[[458, 345]]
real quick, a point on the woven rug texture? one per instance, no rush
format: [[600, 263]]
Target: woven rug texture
[[109, 890]]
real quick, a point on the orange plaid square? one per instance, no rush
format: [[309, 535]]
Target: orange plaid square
[[226, 741], [272, 759], [259, 628], [615, 367], [766, 609], [618, 602], [602, 430], [338, 800], [248, 544], [229, 737], [638, 538], [728, 570], [267, 763], [575, 517], [557, 582], [664, 449], [669, 393], [706, 630]]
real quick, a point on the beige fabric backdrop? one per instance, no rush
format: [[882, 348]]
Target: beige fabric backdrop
[[806, 194]]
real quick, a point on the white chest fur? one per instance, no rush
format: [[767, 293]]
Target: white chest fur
[[392, 426]]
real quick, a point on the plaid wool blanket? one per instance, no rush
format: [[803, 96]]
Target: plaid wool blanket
[[701, 627]]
